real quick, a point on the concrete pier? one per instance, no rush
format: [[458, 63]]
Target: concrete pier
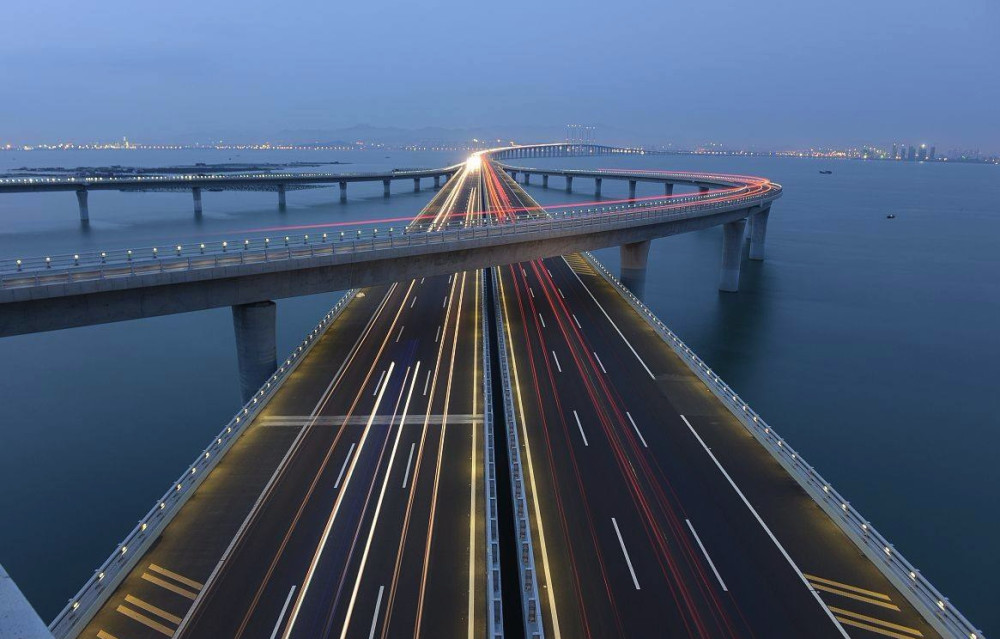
[[527, 178], [732, 252], [758, 231], [81, 199], [343, 192], [416, 185], [668, 189], [703, 189], [545, 181], [569, 183], [256, 348], [385, 188], [437, 181], [634, 258], [281, 197], [196, 195], [597, 188], [631, 189]]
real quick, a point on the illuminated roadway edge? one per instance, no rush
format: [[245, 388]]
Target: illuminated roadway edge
[[933, 606]]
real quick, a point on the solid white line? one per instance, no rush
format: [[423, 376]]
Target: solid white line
[[641, 438], [577, 321], [766, 529], [437, 336], [557, 361], [409, 461], [600, 362], [707, 558], [380, 378], [277, 625], [414, 301], [580, 426], [627, 343], [344, 467], [427, 383], [543, 320], [625, 552], [400, 333], [378, 604]]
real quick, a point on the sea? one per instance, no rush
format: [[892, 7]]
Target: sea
[[872, 344]]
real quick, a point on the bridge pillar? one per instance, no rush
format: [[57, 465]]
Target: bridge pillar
[[732, 252], [513, 175], [196, 195], [256, 350], [545, 181], [668, 189], [385, 188], [703, 189], [597, 188], [343, 191], [437, 181], [631, 189], [281, 197], [634, 258], [758, 231], [569, 183], [416, 185], [527, 178], [81, 199]]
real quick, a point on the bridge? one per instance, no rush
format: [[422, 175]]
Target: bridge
[[490, 451]]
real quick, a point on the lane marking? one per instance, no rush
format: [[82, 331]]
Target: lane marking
[[437, 336], [851, 595], [444, 302], [379, 383], [340, 475], [146, 621], [414, 301], [105, 635], [378, 604], [179, 578], [577, 321], [159, 612], [422, 279], [281, 615], [560, 293], [599, 362], [543, 320], [409, 461], [531, 291], [870, 628], [707, 558], [426, 383], [618, 330], [557, 361], [580, 426], [641, 438], [183, 592], [628, 561], [550, 273], [400, 333], [837, 584], [879, 622], [767, 530]]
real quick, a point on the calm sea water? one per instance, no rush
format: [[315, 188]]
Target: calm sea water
[[870, 344]]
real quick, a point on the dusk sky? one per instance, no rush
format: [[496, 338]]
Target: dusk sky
[[771, 73]]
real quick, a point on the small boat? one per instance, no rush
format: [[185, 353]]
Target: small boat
[[891, 216], [826, 172]]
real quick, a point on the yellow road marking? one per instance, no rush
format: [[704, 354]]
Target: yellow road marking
[[837, 584], [169, 586], [894, 626], [146, 621], [864, 626], [173, 575], [105, 635], [159, 612], [842, 593]]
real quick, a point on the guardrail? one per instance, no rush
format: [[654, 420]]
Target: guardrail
[[929, 602], [85, 604], [63, 269], [533, 627], [494, 592]]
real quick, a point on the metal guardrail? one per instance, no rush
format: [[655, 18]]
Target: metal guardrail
[[78, 267], [533, 627], [85, 604], [929, 602], [494, 592]]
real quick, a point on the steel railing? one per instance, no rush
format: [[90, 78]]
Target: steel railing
[[928, 601], [494, 591]]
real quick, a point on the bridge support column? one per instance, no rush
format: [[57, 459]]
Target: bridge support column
[[256, 350], [569, 183], [732, 252], [385, 188], [758, 231], [281, 197], [668, 189], [416, 185], [597, 188], [343, 192], [437, 181], [527, 178], [196, 195], [634, 258], [545, 181], [631, 189], [81, 199], [703, 189]]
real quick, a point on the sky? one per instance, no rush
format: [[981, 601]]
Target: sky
[[762, 73]]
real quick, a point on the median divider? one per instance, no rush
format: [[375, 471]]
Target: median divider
[[929, 602], [85, 604]]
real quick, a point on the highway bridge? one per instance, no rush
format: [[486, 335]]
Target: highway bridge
[[475, 450]]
